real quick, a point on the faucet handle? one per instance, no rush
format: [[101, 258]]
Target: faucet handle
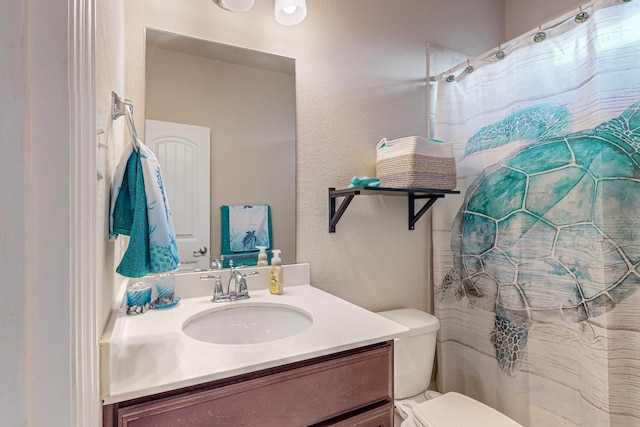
[[218, 293], [243, 292]]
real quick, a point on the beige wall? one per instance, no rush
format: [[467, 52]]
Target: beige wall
[[35, 223], [525, 15], [14, 163], [360, 70], [251, 114], [109, 76]]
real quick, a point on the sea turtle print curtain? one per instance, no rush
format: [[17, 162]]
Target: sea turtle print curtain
[[537, 260]]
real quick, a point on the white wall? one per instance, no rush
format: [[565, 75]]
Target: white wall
[[360, 76], [357, 81], [35, 251], [109, 76], [13, 221], [48, 224], [524, 15], [34, 216]]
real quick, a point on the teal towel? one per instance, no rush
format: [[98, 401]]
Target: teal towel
[[364, 182], [228, 237], [130, 219], [140, 209]]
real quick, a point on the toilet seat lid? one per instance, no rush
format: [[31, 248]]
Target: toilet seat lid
[[457, 410]]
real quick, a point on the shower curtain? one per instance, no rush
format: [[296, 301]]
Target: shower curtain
[[537, 261]]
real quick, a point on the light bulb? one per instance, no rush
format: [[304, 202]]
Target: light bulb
[[290, 12], [289, 9]]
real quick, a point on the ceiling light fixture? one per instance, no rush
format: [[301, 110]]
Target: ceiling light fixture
[[290, 12], [235, 5]]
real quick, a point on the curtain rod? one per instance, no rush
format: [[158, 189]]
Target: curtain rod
[[556, 22]]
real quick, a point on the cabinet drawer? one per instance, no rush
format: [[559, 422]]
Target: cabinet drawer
[[301, 396], [380, 416]]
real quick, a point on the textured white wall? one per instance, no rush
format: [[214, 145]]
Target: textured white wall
[[360, 76], [109, 76]]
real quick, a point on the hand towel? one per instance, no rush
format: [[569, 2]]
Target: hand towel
[[364, 182], [245, 227], [140, 209]]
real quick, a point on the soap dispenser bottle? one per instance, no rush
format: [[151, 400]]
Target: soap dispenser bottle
[[262, 256], [275, 274]]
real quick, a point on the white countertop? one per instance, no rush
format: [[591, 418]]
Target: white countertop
[[154, 355]]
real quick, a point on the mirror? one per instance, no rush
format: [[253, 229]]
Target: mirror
[[247, 100]]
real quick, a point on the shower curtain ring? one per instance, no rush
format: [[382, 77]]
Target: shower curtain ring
[[581, 17], [469, 68], [540, 35]]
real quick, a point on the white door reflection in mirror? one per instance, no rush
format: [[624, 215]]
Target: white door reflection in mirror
[[183, 153]]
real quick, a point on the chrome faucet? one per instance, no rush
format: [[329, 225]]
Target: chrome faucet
[[216, 264], [237, 278]]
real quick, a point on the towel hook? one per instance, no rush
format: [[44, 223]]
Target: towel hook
[[124, 107], [118, 105]]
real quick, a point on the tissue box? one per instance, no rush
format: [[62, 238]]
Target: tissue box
[[416, 162]]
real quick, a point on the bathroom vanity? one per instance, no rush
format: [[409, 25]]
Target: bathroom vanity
[[338, 371], [350, 388]]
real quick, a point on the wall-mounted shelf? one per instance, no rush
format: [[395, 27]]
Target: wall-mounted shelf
[[412, 195]]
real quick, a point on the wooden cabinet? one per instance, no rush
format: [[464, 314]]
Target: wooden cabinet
[[351, 388]]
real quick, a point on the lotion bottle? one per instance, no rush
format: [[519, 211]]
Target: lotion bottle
[[275, 274], [262, 256]]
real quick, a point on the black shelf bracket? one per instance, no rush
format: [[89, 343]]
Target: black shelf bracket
[[413, 216], [334, 216], [412, 195]]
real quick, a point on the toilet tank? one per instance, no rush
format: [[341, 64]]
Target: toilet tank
[[414, 350]]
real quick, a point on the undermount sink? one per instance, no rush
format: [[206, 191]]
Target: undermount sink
[[247, 324]]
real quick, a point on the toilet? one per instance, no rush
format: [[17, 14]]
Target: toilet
[[414, 352]]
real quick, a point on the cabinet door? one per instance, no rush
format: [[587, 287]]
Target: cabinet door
[[299, 397]]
